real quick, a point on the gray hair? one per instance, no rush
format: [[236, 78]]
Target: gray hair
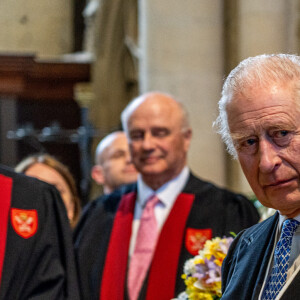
[[136, 102], [263, 71]]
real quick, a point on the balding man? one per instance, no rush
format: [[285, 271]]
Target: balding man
[[133, 246], [113, 166]]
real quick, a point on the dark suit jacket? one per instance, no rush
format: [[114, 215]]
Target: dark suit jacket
[[244, 267], [36, 257], [201, 211]]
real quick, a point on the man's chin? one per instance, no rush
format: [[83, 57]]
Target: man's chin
[[288, 207], [152, 170], [152, 173]]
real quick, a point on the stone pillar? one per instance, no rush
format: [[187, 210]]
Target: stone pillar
[[40, 27], [267, 27], [181, 50]]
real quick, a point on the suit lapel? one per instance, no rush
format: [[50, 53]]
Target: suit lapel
[[266, 240]]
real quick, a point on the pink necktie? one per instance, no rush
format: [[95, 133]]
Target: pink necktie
[[144, 248]]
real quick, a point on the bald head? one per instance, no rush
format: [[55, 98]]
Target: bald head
[[113, 162], [159, 136], [157, 99], [106, 143]]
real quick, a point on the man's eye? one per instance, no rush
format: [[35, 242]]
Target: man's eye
[[136, 135], [282, 137], [160, 132], [248, 146], [118, 154], [249, 142], [281, 133]]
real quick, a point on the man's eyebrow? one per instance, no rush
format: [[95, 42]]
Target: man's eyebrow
[[241, 135], [159, 128], [281, 126], [135, 130]]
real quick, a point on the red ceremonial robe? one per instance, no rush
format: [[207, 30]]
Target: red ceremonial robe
[[5, 192], [117, 256], [101, 240]]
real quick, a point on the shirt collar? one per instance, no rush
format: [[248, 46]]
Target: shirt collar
[[167, 193], [282, 218]]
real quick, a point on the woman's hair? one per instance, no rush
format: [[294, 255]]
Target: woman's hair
[[59, 167]]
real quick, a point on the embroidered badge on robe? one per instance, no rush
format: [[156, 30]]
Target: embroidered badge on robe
[[196, 238], [24, 222]]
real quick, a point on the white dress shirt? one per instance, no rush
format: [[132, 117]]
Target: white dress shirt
[[294, 260], [167, 195]]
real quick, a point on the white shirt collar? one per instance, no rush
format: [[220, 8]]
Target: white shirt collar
[[282, 218], [167, 193]]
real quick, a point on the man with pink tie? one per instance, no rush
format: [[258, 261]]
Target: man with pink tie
[[134, 244]]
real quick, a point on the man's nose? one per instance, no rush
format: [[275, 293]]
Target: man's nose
[[148, 141], [268, 156], [128, 157]]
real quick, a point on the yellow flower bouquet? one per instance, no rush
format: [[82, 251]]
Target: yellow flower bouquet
[[202, 273]]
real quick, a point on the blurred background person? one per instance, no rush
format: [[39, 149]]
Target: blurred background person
[[113, 166], [49, 169], [36, 254]]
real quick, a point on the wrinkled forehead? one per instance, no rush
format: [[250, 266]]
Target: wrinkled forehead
[[263, 104], [254, 94]]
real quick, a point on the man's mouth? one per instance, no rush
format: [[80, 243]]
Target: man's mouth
[[150, 159], [130, 170], [280, 183]]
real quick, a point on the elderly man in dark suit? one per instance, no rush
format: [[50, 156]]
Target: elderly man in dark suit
[[134, 245], [260, 122], [36, 254]]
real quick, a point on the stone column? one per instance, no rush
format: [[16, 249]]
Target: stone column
[[181, 50], [44, 28]]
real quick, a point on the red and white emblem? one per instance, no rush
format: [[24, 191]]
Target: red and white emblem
[[196, 238], [24, 222]]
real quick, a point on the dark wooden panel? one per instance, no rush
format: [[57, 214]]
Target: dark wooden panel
[[40, 92]]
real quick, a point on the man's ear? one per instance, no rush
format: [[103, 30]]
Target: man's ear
[[97, 174], [187, 138]]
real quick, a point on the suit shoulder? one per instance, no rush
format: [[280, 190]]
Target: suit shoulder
[[235, 207], [259, 229], [107, 201], [22, 179], [198, 186], [31, 193], [105, 206]]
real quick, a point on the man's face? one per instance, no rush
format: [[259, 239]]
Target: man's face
[[265, 128], [116, 163], [158, 144]]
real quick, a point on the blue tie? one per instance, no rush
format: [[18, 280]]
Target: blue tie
[[282, 251]]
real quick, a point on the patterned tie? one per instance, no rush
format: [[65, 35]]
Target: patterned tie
[[282, 251], [144, 248]]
